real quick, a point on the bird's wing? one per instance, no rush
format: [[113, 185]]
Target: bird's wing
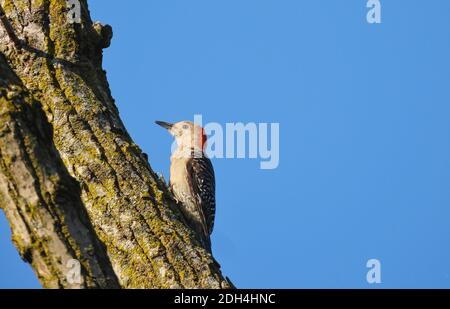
[[204, 185]]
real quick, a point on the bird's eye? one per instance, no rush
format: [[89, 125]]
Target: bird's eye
[[185, 127]]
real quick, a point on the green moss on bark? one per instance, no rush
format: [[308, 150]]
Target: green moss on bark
[[130, 209]]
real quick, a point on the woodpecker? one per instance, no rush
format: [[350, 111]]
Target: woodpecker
[[192, 179]]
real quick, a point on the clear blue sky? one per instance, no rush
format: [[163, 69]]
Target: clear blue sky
[[364, 113]]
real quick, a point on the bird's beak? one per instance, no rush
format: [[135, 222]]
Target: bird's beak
[[165, 125]]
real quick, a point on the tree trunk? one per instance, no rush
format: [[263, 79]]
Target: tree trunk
[[73, 185]]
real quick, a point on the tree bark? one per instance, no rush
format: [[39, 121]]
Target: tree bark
[[73, 185]]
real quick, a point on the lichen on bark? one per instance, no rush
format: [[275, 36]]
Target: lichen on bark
[[139, 239]]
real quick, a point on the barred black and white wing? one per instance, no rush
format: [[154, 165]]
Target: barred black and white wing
[[203, 184]]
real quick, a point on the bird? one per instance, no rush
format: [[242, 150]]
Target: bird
[[192, 178]]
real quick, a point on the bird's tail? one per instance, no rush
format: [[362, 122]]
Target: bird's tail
[[206, 241], [207, 245]]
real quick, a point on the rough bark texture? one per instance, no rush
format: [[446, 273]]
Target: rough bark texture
[[73, 185]]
